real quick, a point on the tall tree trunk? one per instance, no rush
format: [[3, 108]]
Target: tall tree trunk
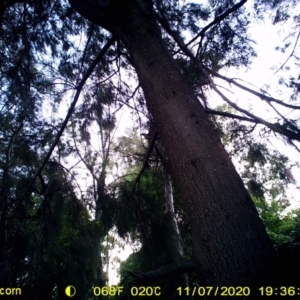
[[230, 241], [100, 276], [173, 241]]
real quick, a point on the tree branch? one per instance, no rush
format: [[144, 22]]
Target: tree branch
[[292, 53], [218, 19], [174, 35], [227, 114], [71, 109], [147, 155], [260, 95], [275, 127]]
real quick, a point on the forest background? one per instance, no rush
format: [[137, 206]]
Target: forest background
[[61, 216]]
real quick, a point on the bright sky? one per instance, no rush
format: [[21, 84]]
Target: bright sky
[[261, 73]]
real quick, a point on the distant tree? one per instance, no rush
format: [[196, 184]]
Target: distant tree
[[96, 111], [148, 222]]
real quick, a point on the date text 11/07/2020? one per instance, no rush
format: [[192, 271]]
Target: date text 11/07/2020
[[203, 291], [233, 291]]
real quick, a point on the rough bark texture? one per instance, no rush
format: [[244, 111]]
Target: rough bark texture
[[230, 242]]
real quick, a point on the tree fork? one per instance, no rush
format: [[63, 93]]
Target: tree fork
[[230, 242]]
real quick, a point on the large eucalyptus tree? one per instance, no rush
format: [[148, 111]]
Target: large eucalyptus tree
[[230, 242]]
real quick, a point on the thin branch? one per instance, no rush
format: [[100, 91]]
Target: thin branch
[[86, 46], [120, 177], [260, 95], [127, 100], [147, 155], [187, 51], [275, 127], [226, 114], [295, 146], [292, 53], [175, 36], [71, 109], [218, 19], [287, 122], [295, 134], [88, 166]]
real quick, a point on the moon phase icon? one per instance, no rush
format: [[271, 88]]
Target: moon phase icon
[[70, 291]]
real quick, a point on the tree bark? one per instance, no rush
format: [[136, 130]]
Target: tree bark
[[172, 237], [230, 242]]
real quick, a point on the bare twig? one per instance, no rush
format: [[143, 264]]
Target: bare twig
[[292, 53]]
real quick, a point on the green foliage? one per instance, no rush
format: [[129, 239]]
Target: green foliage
[[142, 216], [278, 224], [283, 227], [134, 262], [57, 246]]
